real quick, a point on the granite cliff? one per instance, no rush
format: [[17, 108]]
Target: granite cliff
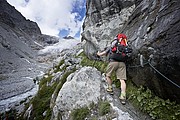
[[153, 32]]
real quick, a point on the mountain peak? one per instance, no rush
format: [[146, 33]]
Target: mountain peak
[[68, 37]]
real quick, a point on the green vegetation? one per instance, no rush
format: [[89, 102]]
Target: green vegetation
[[41, 102], [101, 66], [45, 80], [80, 113], [142, 98], [104, 108], [57, 67], [156, 107]]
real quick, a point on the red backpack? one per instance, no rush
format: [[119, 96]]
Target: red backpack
[[121, 40], [120, 51]]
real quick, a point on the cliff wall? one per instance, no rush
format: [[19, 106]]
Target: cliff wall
[[152, 30]]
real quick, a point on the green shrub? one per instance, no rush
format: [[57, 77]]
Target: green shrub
[[41, 102], [44, 80], [156, 107]]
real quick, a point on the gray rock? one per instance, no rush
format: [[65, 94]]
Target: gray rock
[[11, 17], [81, 89], [20, 41], [103, 21], [147, 24], [157, 29]]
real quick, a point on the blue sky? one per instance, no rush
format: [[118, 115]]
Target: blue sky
[[56, 17]]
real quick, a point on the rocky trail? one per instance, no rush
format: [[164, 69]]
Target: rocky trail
[[119, 111], [124, 112]]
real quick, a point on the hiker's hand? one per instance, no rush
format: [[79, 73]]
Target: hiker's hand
[[98, 54], [101, 53]]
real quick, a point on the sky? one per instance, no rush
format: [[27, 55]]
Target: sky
[[54, 17]]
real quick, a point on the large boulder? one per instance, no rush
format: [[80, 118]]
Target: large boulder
[[81, 89]]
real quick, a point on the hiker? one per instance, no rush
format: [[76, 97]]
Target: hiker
[[117, 64]]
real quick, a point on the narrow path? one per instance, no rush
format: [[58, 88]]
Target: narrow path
[[125, 112]]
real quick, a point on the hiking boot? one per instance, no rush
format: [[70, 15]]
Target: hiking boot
[[110, 90], [123, 98]]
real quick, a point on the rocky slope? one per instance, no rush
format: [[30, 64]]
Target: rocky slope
[[77, 87], [152, 30], [84, 87], [20, 39]]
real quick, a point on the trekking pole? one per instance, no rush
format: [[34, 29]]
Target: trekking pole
[[96, 58], [94, 63]]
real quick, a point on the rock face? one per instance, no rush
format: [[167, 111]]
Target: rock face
[[157, 33], [81, 89], [103, 21], [152, 30], [17, 58], [10, 16], [20, 39]]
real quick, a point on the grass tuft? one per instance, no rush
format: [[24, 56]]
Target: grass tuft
[[80, 113], [104, 108]]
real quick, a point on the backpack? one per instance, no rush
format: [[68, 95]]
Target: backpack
[[120, 51]]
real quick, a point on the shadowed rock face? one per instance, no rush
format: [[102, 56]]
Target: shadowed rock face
[[157, 33], [10, 16], [152, 28]]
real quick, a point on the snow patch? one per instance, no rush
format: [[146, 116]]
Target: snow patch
[[58, 47]]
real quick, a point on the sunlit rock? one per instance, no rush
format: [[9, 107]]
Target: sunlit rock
[[81, 89]]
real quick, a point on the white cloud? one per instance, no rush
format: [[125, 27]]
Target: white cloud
[[51, 16]]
